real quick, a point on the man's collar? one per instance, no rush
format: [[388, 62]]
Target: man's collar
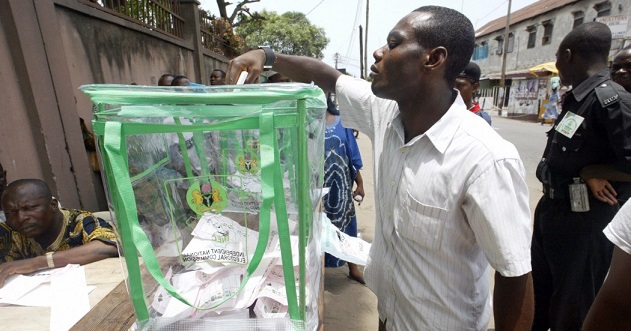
[[443, 131], [589, 84]]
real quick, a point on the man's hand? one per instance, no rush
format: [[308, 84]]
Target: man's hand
[[602, 190], [20, 267], [298, 68], [252, 62], [359, 191]]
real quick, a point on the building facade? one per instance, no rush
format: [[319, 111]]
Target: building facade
[[534, 36]]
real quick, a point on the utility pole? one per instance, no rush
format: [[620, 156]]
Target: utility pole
[[366, 41], [361, 54], [504, 51]]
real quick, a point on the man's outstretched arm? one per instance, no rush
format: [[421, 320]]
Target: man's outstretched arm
[[298, 68], [513, 302], [90, 252]]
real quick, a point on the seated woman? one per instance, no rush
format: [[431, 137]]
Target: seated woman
[[38, 234]]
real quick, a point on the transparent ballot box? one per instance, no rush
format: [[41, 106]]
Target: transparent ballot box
[[215, 192]]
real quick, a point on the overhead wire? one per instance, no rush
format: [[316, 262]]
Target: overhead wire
[[491, 12]]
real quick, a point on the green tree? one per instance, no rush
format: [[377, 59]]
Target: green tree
[[289, 33]]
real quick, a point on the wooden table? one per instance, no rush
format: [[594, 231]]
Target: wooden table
[[110, 304], [106, 275]]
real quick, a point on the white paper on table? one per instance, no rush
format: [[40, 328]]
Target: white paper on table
[[16, 286], [71, 302], [31, 290]]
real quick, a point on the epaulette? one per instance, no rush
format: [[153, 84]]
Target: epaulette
[[607, 95]]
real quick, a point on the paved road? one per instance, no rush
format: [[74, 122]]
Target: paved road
[[351, 306]]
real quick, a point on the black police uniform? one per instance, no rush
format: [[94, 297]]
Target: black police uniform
[[570, 254]]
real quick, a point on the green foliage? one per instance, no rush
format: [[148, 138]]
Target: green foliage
[[289, 33], [218, 35]]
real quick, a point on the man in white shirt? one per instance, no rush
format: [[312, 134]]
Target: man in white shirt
[[611, 309], [450, 192]]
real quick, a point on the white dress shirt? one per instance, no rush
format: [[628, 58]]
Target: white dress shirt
[[619, 229], [449, 202]]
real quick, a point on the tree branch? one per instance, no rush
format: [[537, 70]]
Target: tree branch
[[240, 8]]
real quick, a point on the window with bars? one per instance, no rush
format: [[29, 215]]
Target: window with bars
[[532, 36], [511, 42], [579, 17], [547, 32], [603, 9], [500, 45], [481, 51]]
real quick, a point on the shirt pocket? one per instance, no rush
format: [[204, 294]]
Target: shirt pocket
[[421, 223]]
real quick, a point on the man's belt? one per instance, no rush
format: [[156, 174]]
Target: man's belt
[[555, 193]]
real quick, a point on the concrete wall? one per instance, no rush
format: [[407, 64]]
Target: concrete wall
[[48, 48]]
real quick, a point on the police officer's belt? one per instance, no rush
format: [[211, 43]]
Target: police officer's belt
[[555, 193]]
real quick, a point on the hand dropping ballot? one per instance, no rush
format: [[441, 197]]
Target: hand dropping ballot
[[341, 245]]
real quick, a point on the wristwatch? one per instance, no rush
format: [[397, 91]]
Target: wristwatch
[[269, 57]]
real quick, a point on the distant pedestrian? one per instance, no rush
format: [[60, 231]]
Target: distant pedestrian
[[278, 78], [590, 143], [218, 77], [166, 80], [180, 81], [621, 68], [342, 163], [467, 83], [554, 98]]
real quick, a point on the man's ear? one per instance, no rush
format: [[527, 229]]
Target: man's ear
[[475, 87], [567, 54], [54, 204], [435, 58]]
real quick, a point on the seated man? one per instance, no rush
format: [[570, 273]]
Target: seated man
[[38, 234]]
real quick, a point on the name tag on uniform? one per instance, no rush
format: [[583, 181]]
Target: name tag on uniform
[[569, 124]]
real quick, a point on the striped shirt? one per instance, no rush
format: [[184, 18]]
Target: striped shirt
[[449, 202]]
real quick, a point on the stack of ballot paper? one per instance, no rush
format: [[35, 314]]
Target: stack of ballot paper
[[64, 290]]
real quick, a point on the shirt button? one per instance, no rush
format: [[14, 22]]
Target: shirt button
[[564, 149]]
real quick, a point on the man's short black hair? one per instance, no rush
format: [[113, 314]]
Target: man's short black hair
[[223, 73], [590, 41], [452, 30], [41, 186], [471, 71], [177, 79]]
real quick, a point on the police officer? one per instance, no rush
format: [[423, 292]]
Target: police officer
[[586, 160]]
